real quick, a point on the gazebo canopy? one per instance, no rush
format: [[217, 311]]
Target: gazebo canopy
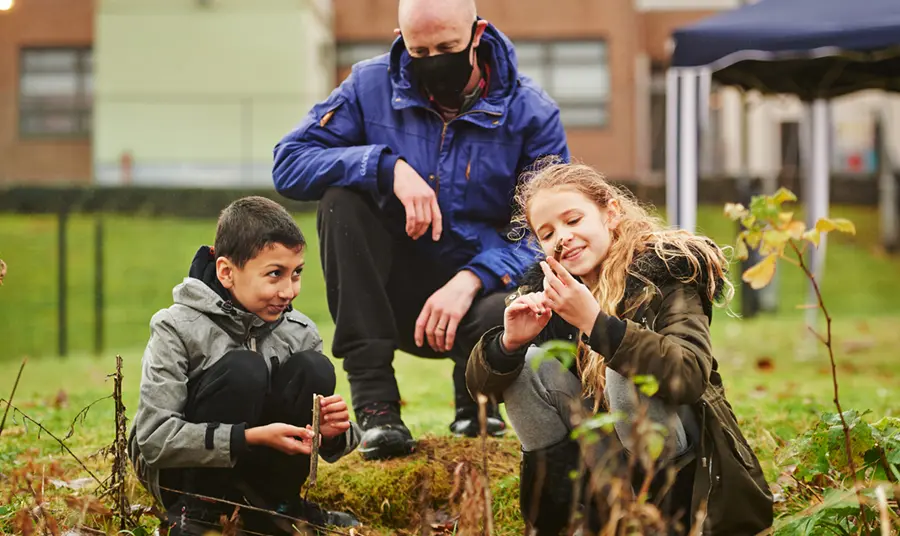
[[810, 48]]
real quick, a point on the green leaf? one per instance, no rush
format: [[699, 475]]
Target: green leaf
[[773, 242], [562, 351], [601, 421], [655, 444], [764, 209], [761, 274], [647, 384], [825, 225]]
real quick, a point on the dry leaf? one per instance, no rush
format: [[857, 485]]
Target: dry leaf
[[61, 400], [761, 274], [765, 364], [856, 346]]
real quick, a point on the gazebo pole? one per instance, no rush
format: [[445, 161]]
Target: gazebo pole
[[817, 190], [688, 139], [673, 148]]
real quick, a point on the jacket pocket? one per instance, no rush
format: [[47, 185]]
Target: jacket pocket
[[489, 175]]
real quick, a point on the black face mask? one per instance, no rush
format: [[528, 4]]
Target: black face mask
[[445, 75]]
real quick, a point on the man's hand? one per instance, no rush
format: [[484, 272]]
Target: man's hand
[[279, 436], [444, 309], [335, 417], [419, 200]]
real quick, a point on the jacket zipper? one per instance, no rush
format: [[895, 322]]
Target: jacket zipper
[[437, 176]]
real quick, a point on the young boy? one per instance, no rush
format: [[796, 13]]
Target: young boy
[[228, 380]]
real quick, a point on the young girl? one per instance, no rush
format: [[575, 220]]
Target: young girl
[[637, 299]]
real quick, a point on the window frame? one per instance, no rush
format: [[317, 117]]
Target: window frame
[[547, 63], [82, 113]]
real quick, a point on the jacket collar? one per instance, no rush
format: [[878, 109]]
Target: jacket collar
[[490, 111]]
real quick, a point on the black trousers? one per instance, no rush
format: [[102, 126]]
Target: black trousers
[[239, 389], [376, 287]]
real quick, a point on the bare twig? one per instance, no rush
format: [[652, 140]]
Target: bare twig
[[18, 376], [120, 454], [60, 441], [482, 417], [881, 496], [837, 401], [253, 508], [314, 452], [82, 414]]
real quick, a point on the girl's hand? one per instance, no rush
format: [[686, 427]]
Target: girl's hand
[[334, 419], [569, 298], [524, 319]]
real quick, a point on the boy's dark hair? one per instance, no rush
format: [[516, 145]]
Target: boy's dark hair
[[250, 224]]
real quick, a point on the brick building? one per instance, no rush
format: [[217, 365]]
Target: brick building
[[602, 60], [46, 91]]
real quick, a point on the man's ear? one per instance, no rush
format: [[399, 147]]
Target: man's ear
[[480, 27], [396, 32], [225, 272]]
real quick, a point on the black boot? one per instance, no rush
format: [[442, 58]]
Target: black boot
[[467, 424], [545, 487], [192, 516], [384, 434], [315, 515]]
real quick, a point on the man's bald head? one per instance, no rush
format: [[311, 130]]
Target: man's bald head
[[431, 27]]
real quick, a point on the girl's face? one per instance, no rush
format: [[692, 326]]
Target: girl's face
[[566, 214]]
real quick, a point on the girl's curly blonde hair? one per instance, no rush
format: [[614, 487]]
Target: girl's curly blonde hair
[[637, 231]]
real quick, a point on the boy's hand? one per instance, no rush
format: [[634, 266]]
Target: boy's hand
[[279, 436], [334, 419]]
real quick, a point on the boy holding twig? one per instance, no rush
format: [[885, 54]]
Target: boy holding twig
[[227, 385]]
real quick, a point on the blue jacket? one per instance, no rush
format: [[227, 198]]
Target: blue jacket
[[377, 115]]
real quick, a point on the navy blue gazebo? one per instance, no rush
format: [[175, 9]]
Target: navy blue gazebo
[[815, 49]]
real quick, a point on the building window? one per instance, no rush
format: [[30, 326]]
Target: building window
[[55, 92], [574, 73], [350, 53]]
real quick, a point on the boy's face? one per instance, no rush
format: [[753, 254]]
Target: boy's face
[[267, 283]]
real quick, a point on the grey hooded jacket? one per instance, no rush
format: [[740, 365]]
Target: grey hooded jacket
[[185, 339]]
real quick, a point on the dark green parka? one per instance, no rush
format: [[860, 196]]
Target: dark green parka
[[668, 338]]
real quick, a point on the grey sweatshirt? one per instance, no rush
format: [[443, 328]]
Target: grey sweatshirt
[[185, 339]]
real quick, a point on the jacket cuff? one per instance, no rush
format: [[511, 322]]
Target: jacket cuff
[[607, 335], [490, 283], [500, 359], [385, 178], [334, 446], [238, 443]]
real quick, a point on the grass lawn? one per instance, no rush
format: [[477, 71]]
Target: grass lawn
[[777, 380]]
